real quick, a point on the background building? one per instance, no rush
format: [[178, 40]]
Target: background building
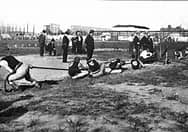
[[52, 28]]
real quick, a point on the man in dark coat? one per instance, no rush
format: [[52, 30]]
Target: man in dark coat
[[74, 46], [51, 47], [136, 45], [65, 45], [150, 43], [89, 41], [42, 39], [144, 42], [79, 42]]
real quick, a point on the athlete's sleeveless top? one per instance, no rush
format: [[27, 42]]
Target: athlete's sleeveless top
[[95, 66], [74, 69], [12, 61]]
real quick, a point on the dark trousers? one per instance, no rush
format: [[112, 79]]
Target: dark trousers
[[42, 50], [65, 54], [52, 51], [137, 52], [89, 53], [80, 48], [131, 49], [74, 48]]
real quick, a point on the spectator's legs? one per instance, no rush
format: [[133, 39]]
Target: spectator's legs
[[73, 48], [80, 48], [54, 51], [50, 52], [65, 54], [89, 53], [41, 50]]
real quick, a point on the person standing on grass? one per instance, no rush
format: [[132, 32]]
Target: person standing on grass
[[150, 43], [65, 45], [143, 41], [79, 42], [74, 46], [131, 44], [89, 42], [42, 39], [52, 48], [136, 46]]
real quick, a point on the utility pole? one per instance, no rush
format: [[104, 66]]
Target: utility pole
[[33, 29], [27, 28], [16, 28], [24, 30]]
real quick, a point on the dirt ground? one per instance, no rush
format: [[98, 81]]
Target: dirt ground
[[151, 99]]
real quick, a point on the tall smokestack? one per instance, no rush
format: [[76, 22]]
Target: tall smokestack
[[27, 28], [33, 29]]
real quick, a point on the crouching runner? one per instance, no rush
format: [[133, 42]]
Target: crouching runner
[[147, 57], [76, 69], [17, 70], [96, 69], [117, 66]]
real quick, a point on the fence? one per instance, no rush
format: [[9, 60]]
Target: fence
[[157, 35]]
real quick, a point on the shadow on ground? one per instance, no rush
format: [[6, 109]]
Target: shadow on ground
[[8, 113]]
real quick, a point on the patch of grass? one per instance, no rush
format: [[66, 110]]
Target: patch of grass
[[77, 126], [33, 122]]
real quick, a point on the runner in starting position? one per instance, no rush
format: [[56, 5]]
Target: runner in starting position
[[16, 70], [96, 69], [76, 69]]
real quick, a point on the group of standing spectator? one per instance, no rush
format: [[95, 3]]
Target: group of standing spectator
[[142, 48], [77, 44], [50, 47], [139, 43]]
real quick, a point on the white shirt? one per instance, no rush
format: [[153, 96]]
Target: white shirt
[[145, 54], [79, 38]]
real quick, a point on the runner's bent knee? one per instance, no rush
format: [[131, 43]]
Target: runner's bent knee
[[20, 73]]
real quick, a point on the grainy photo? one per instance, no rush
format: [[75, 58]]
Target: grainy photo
[[93, 66]]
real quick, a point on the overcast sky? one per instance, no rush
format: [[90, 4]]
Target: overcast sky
[[97, 13]]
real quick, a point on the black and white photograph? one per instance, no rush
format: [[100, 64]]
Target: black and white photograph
[[93, 66]]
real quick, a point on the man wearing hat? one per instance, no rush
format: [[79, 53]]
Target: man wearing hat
[[89, 42], [136, 45], [51, 47], [65, 45], [42, 39], [79, 41]]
